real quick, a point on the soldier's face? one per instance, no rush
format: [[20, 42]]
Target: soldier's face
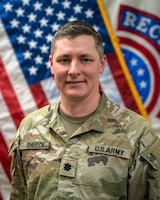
[[76, 66]]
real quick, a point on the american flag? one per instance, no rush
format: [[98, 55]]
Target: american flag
[[26, 31]]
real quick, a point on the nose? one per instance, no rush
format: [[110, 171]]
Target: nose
[[74, 68]]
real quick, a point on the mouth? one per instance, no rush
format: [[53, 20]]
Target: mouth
[[74, 82]]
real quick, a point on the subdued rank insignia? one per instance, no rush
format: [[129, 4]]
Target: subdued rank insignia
[[68, 167]]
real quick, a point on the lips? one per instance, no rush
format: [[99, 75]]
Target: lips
[[74, 82]]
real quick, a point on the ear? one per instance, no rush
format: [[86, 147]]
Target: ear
[[51, 64], [103, 62]]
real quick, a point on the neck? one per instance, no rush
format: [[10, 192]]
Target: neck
[[80, 107]]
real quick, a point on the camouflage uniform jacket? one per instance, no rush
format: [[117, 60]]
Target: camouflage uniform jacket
[[114, 155]]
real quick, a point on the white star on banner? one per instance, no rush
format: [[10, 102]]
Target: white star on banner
[[8, 7], [14, 23], [32, 44], [32, 17], [89, 13], [26, 28], [66, 4], [20, 12], [21, 39], [27, 54], [32, 70]]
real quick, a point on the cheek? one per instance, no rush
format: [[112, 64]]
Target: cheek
[[92, 74], [59, 75]]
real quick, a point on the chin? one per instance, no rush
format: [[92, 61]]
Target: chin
[[75, 95]]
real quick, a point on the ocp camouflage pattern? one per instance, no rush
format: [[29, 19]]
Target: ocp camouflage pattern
[[114, 155]]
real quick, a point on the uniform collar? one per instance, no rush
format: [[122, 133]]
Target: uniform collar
[[97, 121]]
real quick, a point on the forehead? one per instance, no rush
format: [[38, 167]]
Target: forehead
[[81, 40]]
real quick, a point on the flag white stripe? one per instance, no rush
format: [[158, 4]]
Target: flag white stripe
[[4, 184], [7, 125], [50, 89]]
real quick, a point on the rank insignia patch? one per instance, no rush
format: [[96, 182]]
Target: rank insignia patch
[[68, 167]]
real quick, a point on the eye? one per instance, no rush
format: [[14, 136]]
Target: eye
[[86, 60], [64, 60]]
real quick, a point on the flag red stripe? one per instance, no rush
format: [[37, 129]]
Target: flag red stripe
[[39, 95], [4, 158], [158, 115], [1, 197], [122, 83], [155, 68], [9, 96]]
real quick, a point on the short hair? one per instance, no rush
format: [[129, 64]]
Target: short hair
[[76, 28]]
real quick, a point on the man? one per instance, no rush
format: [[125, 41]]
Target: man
[[83, 147]]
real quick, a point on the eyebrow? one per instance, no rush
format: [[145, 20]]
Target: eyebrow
[[68, 55], [86, 55], [63, 56]]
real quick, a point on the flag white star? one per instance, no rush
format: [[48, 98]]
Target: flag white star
[[72, 18], [47, 65], [38, 59], [32, 44], [25, 2], [20, 12], [96, 28], [43, 22], [89, 13], [49, 11], [66, 4], [49, 37], [44, 48], [8, 7], [32, 70], [27, 54], [14, 23], [60, 15], [77, 9], [38, 33], [21, 39], [32, 17], [37, 6], [55, 27], [26, 28], [54, 1]]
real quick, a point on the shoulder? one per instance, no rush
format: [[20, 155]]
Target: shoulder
[[34, 123], [39, 116], [26, 125], [122, 114], [36, 115], [137, 128]]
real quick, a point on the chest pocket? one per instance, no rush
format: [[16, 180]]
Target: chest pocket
[[41, 161], [105, 166], [39, 153]]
